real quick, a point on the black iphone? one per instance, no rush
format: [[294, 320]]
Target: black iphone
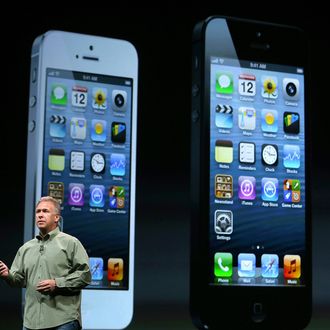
[[251, 212]]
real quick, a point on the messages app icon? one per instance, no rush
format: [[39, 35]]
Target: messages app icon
[[224, 83], [59, 94], [223, 264]]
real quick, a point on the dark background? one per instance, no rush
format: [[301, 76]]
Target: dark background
[[163, 41]]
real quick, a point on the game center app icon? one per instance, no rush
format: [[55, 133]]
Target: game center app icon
[[291, 190]]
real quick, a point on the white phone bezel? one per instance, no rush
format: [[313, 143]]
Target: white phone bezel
[[101, 309]]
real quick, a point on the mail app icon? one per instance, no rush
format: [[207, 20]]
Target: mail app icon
[[246, 265]]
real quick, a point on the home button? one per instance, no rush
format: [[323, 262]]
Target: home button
[[258, 312]]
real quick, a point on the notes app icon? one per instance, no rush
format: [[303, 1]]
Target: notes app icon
[[224, 151], [115, 269], [292, 266]]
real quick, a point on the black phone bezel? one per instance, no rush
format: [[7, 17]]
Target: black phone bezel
[[279, 303]]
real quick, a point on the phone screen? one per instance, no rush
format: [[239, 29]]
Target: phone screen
[[86, 166], [257, 173]]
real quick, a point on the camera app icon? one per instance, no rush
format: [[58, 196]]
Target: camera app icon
[[291, 89], [119, 100]]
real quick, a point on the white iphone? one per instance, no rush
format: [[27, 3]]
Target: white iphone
[[82, 151]]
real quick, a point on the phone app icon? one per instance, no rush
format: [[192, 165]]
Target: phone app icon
[[223, 264], [269, 189], [291, 89], [269, 121], [223, 186], [119, 100], [247, 84], [78, 128], [291, 190], [223, 222], [269, 265], [246, 265], [117, 197], [96, 268], [77, 161], [292, 266], [57, 126], [100, 98], [247, 152], [269, 87], [56, 159], [96, 193], [224, 83], [59, 94], [115, 269], [224, 116], [291, 122], [99, 130], [291, 156], [79, 96], [118, 132], [247, 118], [117, 164], [247, 187], [56, 190], [224, 151], [76, 194], [269, 154]]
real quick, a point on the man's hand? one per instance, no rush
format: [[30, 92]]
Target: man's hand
[[46, 286], [4, 270]]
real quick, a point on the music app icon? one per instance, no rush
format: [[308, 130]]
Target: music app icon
[[292, 266], [115, 269]]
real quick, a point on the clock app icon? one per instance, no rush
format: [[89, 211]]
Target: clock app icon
[[98, 162], [269, 154]]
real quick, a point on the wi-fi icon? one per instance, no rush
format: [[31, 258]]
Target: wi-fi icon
[[221, 60]]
